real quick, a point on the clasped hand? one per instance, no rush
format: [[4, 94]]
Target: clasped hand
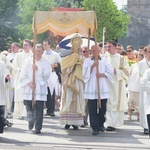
[[35, 67], [100, 75], [8, 77], [31, 85]]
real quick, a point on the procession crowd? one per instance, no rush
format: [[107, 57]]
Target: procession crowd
[[102, 82]]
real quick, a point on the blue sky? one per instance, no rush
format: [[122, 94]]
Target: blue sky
[[120, 3]]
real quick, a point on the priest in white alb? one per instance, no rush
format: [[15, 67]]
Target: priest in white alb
[[117, 104], [17, 65]]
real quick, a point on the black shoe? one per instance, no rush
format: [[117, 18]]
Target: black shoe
[[47, 114], [102, 129], [95, 132], [83, 125], [109, 128], [37, 131], [7, 123], [75, 127], [21, 118], [9, 115], [52, 114], [30, 125], [146, 131], [125, 113], [67, 126]]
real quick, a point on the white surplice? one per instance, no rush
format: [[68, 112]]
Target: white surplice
[[7, 63], [117, 103], [145, 85], [3, 85], [134, 87], [53, 84], [53, 58], [143, 66], [134, 81], [4, 95], [90, 79], [41, 77]]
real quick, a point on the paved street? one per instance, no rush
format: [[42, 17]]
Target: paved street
[[54, 137]]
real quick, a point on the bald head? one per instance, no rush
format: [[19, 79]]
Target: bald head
[[95, 49]]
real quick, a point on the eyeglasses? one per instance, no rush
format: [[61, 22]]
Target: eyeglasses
[[129, 51], [84, 51]]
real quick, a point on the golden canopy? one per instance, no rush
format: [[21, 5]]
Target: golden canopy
[[64, 23]]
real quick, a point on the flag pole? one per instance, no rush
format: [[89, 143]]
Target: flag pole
[[33, 75]]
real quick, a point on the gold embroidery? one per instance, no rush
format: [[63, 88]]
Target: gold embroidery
[[120, 83], [121, 67], [121, 62], [119, 95], [64, 17], [125, 71]]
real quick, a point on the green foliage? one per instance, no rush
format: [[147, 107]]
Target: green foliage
[[110, 17], [8, 22], [26, 12], [107, 13], [63, 3], [16, 18]]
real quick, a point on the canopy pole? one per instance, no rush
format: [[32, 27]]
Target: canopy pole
[[34, 45], [96, 58], [89, 35]]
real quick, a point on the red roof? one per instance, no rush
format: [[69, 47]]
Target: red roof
[[68, 9]]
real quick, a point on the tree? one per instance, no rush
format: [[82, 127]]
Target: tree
[[107, 13], [26, 12], [79, 4], [63, 3], [8, 22], [3, 37], [110, 17]]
